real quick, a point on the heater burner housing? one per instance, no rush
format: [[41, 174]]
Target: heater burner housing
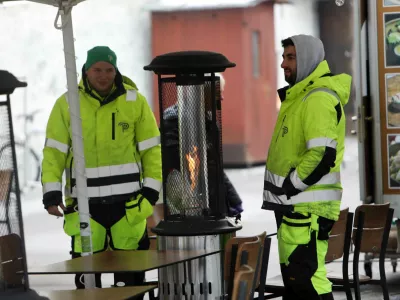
[[195, 206]]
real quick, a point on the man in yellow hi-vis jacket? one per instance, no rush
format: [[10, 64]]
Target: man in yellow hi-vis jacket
[[302, 176], [123, 161]]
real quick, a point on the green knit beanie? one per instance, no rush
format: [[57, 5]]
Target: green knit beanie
[[100, 53]]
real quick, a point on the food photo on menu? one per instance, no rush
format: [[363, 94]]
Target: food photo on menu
[[391, 2], [392, 39], [394, 160], [393, 100]]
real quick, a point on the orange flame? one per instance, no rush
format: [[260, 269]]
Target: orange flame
[[193, 163]]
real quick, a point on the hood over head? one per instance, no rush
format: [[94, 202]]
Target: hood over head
[[309, 54]]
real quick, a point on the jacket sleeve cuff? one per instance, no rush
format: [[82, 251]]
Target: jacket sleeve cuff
[[297, 182], [52, 198], [150, 194], [288, 188]]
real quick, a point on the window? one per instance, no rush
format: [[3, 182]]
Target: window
[[255, 48]]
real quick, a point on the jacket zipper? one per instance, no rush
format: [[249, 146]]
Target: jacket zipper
[[279, 132], [113, 126]]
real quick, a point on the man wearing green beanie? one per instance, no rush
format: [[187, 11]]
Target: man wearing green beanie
[[123, 162], [101, 69]]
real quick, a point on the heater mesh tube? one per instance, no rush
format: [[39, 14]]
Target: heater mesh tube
[[192, 149]]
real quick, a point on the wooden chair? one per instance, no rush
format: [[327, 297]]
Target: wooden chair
[[370, 233], [6, 181], [392, 251], [371, 230], [11, 261], [243, 281], [250, 254], [338, 247], [233, 257]]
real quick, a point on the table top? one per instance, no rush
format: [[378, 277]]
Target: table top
[[120, 293], [121, 261]]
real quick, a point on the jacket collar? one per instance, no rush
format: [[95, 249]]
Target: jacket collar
[[117, 90], [321, 71]]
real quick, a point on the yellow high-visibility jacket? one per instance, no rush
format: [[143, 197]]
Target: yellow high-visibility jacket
[[303, 166], [121, 144]]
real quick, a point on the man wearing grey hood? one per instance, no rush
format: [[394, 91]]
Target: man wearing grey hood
[[302, 176]]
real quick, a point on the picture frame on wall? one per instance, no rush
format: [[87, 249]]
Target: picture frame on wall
[[391, 35], [392, 87], [393, 147], [389, 3]]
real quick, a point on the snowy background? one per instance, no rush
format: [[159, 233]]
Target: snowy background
[[31, 48]]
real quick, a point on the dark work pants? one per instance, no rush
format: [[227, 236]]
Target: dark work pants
[[107, 215], [303, 263]]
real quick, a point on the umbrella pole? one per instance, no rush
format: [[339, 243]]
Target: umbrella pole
[[77, 140]]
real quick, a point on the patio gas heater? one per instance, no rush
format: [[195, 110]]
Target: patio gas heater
[[195, 207]]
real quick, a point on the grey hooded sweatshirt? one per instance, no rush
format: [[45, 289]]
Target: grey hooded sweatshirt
[[309, 54]]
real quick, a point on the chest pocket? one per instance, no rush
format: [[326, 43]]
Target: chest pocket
[[338, 107], [122, 127], [123, 120]]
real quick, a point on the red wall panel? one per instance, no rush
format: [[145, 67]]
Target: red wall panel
[[249, 103]]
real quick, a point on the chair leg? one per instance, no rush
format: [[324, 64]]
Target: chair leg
[[368, 264], [152, 295], [349, 295], [385, 238], [356, 258], [345, 269], [346, 283], [8, 201], [264, 269], [382, 273], [394, 264]]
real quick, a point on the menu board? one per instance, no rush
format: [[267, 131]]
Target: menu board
[[389, 91]]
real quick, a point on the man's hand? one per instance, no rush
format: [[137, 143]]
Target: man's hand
[[51, 201], [53, 210]]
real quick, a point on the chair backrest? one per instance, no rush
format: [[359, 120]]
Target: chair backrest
[[5, 184], [250, 254], [375, 220], [238, 241], [337, 237], [152, 221], [242, 286], [11, 259]]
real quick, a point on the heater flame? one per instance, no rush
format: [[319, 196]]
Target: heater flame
[[193, 164]]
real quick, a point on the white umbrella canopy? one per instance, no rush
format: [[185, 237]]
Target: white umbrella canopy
[[64, 13], [49, 2]]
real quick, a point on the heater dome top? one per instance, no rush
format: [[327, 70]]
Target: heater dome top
[[188, 62], [8, 83]]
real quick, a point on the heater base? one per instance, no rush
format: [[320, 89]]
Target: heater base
[[198, 279], [192, 226]]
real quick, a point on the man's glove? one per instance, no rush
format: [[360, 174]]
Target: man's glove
[[288, 187], [53, 198], [138, 209], [150, 194]]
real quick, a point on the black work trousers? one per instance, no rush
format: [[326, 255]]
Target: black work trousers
[[107, 215]]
